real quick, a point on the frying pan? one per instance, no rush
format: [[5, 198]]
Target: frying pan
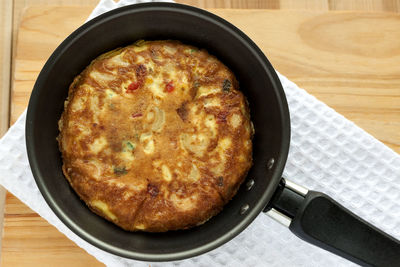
[[312, 216]]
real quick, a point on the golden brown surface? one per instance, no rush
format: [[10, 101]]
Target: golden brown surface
[[156, 136]]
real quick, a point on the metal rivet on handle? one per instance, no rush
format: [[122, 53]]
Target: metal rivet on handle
[[244, 209], [270, 163], [249, 184]]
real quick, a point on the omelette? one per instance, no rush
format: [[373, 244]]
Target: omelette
[[156, 136]]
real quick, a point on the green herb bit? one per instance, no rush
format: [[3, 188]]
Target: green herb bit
[[120, 170], [128, 146], [193, 50], [226, 86], [139, 42]]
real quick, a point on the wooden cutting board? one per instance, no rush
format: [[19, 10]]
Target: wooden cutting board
[[349, 60]]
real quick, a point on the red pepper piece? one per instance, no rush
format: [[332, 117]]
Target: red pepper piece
[[136, 115], [133, 86], [141, 73], [169, 87]]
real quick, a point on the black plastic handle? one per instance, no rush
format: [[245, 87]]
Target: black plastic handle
[[321, 221]]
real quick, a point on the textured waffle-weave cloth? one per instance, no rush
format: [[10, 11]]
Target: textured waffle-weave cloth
[[328, 153]]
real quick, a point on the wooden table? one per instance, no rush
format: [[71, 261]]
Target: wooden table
[[349, 60]]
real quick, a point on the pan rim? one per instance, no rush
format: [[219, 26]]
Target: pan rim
[[129, 10]]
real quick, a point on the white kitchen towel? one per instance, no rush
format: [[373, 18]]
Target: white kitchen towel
[[327, 153]]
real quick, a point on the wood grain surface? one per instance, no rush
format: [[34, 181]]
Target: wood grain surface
[[5, 61], [6, 8], [349, 60]]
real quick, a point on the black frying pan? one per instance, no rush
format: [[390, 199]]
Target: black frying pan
[[310, 215]]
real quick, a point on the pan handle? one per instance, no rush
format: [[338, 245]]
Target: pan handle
[[320, 220]]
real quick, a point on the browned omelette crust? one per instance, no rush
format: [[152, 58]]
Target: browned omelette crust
[[155, 136]]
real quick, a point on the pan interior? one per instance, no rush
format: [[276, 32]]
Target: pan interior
[[158, 21]]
